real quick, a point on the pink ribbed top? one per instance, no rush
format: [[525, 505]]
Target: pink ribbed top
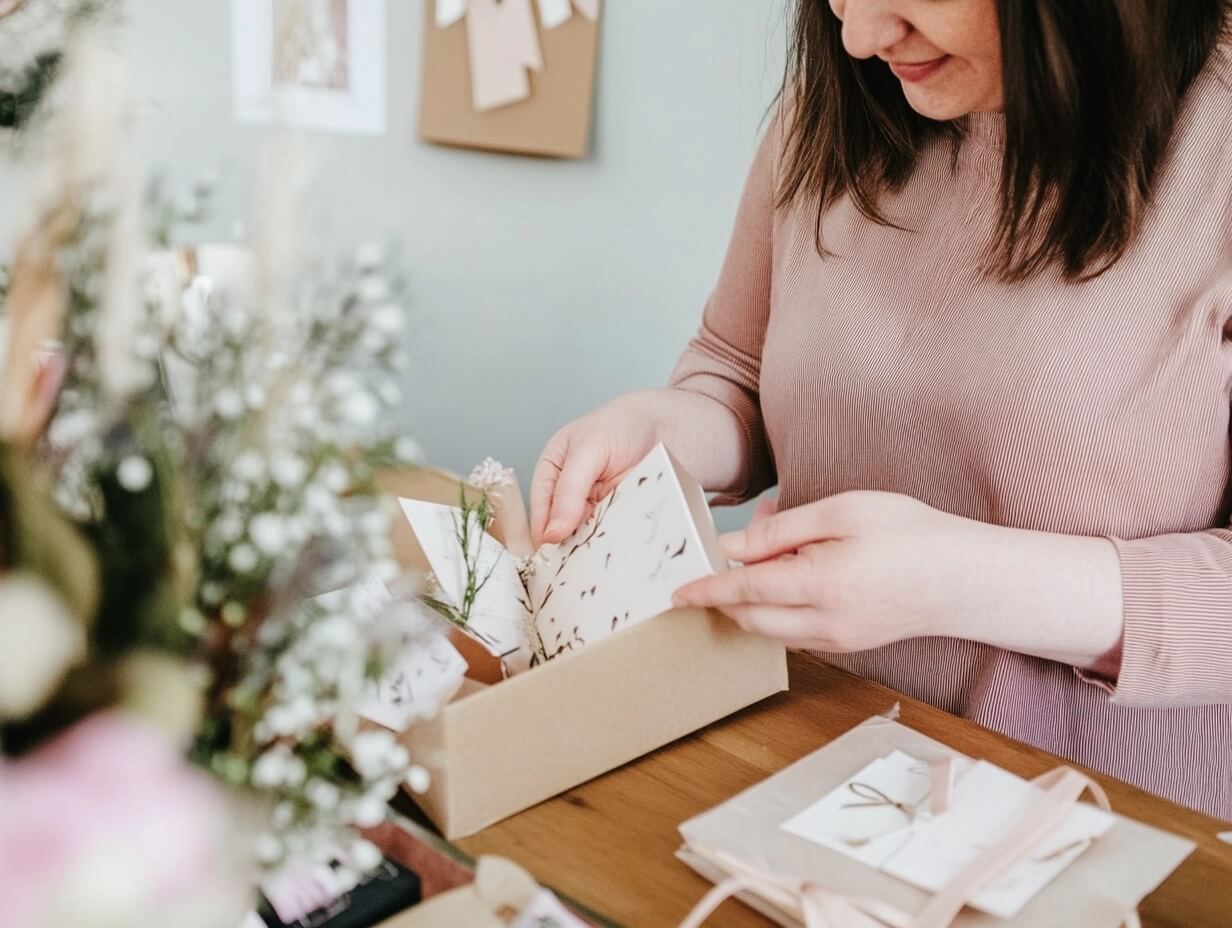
[[1097, 408]]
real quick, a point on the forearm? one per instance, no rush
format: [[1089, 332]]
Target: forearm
[[703, 434], [1053, 596]]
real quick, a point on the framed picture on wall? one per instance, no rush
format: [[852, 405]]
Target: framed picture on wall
[[314, 64]]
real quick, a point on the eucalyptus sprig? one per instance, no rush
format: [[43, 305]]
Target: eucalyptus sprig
[[470, 523]]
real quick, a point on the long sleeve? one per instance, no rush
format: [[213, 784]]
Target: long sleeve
[[723, 361], [1177, 645]]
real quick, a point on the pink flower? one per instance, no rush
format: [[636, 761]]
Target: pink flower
[[107, 825]]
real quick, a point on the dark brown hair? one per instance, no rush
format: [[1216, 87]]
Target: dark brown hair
[[1092, 93]]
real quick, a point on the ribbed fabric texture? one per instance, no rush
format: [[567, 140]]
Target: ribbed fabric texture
[[1096, 408]]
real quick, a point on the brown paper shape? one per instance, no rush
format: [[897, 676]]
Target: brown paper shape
[[554, 120]]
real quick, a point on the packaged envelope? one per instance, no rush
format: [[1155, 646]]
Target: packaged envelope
[[869, 829]]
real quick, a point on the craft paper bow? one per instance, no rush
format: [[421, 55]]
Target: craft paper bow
[[504, 42]]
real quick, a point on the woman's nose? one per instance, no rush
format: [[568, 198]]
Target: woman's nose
[[870, 26]]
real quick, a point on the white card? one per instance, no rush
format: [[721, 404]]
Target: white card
[[498, 618], [553, 13], [649, 537], [880, 817], [426, 671]]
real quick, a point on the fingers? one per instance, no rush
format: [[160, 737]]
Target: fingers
[[571, 493], [795, 626], [781, 533], [786, 581], [800, 628], [542, 488]]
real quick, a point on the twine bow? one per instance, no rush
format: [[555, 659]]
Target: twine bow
[[503, 42], [818, 907]]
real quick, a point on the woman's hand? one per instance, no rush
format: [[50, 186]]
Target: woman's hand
[[585, 460], [864, 569]]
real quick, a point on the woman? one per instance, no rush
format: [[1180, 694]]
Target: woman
[[975, 321]]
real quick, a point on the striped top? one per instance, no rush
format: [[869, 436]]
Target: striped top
[[1098, 408]]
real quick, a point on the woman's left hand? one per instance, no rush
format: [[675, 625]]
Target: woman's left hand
[[864, 569], [848, 573]]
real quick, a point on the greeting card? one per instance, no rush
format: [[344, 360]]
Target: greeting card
[[646, 539]]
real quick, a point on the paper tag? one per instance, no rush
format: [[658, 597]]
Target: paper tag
[[425, 673], [553, 13], [502, 44], [449, 12], [424, 676], [880, 817]]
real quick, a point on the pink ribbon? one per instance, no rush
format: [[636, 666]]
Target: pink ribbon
[[823, 908]]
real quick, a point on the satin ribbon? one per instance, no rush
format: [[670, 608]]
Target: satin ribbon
[[503, 42], [818, 907]]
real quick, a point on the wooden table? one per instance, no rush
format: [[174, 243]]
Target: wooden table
[[610, 843]]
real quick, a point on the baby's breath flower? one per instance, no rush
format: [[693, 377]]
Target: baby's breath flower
[[492, 475], [135, 473]]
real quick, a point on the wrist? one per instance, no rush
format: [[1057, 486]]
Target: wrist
[[1050, 595]]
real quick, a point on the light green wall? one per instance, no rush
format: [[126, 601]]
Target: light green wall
[[540, 288]]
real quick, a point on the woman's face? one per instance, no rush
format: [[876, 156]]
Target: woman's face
[[946, 53]]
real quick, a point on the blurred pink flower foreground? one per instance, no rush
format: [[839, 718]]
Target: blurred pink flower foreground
[[107, 826]]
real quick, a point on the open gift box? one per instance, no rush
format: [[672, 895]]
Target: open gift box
[[499, 748]]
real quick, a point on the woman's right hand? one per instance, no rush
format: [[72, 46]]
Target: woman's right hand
[[585, 460]]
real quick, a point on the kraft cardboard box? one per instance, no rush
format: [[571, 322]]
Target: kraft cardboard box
[[500, 748]]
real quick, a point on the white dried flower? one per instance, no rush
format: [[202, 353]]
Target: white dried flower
[[418, 779], [387, 318], [361, 408], [270, 769], [369, 812], [492, 475], [370, 751], [135, 473], [322, 794], [229, 404], [363, 855], [268, 848], [243, 558], [39, 642], [288, 470], [268, 532], [408, 450], [249, 466]]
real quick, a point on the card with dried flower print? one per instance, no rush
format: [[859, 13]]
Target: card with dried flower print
[[645, 540]]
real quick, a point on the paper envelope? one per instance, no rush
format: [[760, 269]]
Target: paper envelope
[[1097, 890]]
